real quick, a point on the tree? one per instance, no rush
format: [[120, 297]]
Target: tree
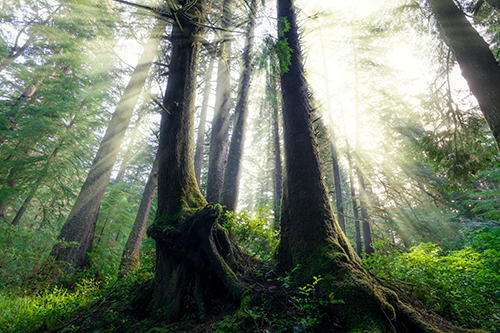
[[230, 185], [81, 222], [220, 123], [200, 141], [195, 260], [310, 235], [130, 256], [479, 66], [14, 54]]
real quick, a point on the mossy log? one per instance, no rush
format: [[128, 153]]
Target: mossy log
[[197, 265]]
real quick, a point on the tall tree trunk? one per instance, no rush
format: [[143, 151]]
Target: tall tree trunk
[[272, 92], [310, 235], [130, 256], [200, 140], [230, 187], [365, 219], [355, 208], [15, 54], [195, 259], [81, 222], [220, 123], [479, 67], [338, 184]]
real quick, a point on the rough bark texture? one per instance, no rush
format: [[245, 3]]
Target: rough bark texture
[[200, 140], [195, 260], [479, 66], [310, 235], [220, 123], [81, 222], [230, 187], [130, 255]]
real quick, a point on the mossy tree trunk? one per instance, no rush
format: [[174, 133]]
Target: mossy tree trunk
[[230, 186], [195, 260], [478, 64], [310, 235], [81, 222]]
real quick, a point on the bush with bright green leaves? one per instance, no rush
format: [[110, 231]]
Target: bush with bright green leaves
[[461, 285], [46, 309], [24, 252], [254, 235]]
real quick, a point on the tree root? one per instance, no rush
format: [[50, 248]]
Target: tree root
[[197, 265]]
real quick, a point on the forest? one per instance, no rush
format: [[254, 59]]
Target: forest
[[249, 166]]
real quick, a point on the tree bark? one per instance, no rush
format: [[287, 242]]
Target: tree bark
[[336, 178], [200, 140], [220, 123], [365, 218], [310, 235], [479, 67], [81, 222], [195, 259], [130, 256], [278, 174], [230, 187]]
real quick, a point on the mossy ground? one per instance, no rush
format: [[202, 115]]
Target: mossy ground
[[271, 303]]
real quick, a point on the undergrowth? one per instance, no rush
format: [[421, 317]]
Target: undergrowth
[[461, 285]]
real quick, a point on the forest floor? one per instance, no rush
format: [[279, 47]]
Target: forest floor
[[272, 304]]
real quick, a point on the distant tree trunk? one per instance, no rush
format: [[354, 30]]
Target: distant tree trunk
[[20, 103], [200, 140], [273, 89], [39, 181], [479, 66], [15, 54], [365, 218], [336, 178], [230, 187], [220, 123], [130, 256], [355, 210], [310, 235], [81, 222]]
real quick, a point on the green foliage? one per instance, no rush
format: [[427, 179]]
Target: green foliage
[[47, 308], [282, 48], [462, 285], [24, 252], [306, 311], [254, 235]]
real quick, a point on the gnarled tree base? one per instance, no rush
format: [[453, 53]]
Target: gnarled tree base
[[197, 265]]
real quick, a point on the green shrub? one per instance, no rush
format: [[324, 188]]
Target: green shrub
[[462, 285], [24, 252], [254, 235], [46, 309]]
